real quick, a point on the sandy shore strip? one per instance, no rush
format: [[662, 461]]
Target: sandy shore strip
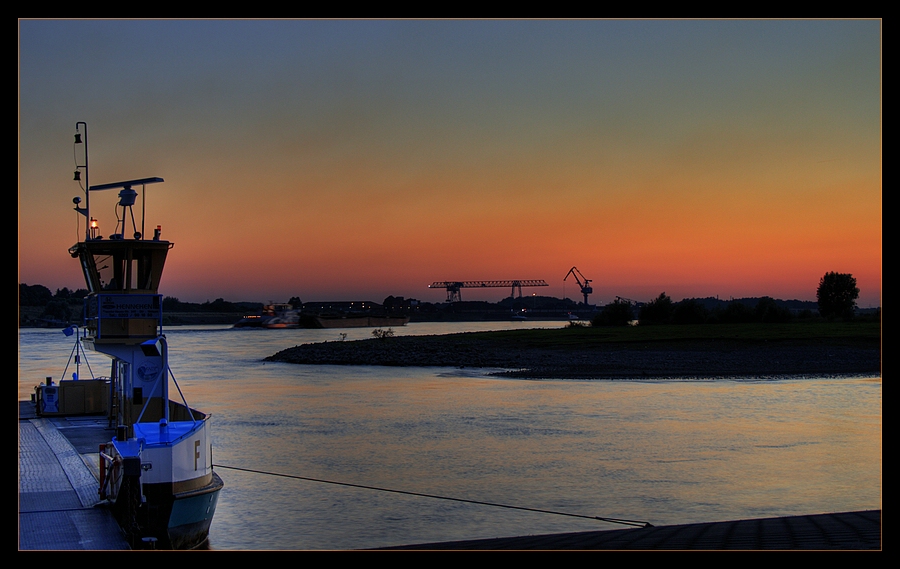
[[695, 359]]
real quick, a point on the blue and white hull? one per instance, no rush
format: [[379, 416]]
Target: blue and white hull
[[162, 486]]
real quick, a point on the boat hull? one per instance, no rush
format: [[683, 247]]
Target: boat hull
[[183, 519], [163, 519], [162, 485]]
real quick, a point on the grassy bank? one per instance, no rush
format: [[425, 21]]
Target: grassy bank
[[809, 333], [807, 348]]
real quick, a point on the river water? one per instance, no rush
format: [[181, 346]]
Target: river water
[[666, 452]]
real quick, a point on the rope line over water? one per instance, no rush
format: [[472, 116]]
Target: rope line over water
[[633, 523]]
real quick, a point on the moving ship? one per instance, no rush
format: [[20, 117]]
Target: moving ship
[[356, 314], [273, 316]]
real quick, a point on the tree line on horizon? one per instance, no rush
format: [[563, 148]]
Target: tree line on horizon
[[65, 305], [836, 299], [663, 310]]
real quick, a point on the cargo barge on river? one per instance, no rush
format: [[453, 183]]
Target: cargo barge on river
[[351, 314]]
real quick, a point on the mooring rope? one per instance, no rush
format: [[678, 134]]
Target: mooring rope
[[634, 523]]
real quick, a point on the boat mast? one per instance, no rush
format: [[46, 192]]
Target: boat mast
[[86, 211]]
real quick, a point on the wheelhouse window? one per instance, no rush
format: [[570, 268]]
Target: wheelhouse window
[[122, 268]]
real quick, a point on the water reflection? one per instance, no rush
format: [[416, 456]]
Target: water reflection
[[665, 452]]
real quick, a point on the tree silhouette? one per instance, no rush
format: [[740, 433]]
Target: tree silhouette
[[657, 311], [837, 294], [767, 310], [34, 295], [617, 313], [689, 311]]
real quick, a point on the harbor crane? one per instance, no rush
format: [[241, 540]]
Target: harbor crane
[[454, 286], [584, 283]]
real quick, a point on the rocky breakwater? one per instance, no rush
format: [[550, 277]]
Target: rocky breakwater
[[521, 358]]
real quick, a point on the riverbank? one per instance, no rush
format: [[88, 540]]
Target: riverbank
[[663, 352]]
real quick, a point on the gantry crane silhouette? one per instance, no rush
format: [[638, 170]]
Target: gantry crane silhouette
[[454, 286], [584, 283]]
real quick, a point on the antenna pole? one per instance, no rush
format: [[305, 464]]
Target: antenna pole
[[87, 185]]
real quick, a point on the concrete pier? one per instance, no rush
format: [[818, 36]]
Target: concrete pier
[[837, 531], [59, 508]]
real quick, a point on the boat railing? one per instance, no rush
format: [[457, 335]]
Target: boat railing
[[151, 411], [121, 316]]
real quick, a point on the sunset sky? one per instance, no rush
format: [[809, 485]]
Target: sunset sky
[[351, 160]]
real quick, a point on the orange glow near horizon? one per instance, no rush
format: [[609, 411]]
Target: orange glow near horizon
[[424, 164]]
